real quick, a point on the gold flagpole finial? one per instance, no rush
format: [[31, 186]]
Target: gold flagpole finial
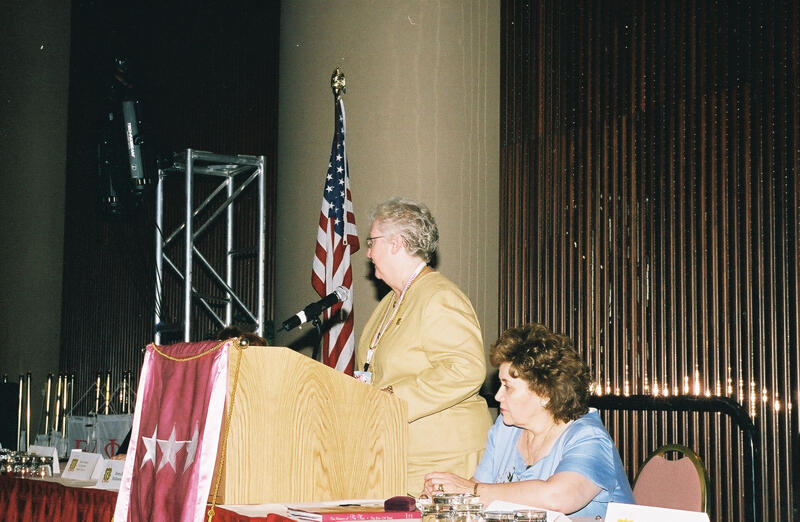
[[338, 83]]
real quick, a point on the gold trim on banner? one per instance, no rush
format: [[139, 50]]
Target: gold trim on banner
[[226, 428], [192, 357]]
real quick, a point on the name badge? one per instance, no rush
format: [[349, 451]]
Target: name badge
[[365, 377]]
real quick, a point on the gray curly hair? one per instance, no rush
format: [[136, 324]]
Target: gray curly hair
[[410, 220]]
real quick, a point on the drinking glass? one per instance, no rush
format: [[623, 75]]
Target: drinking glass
[[530, 515]]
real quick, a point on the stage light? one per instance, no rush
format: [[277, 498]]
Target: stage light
[[123, 169]]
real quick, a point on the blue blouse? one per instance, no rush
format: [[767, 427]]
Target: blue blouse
[[585, 447]]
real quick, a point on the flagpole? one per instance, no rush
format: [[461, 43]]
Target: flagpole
[[337, 238], [338, 87], [338, 83]]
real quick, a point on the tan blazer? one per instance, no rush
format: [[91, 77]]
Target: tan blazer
[[432, 355]]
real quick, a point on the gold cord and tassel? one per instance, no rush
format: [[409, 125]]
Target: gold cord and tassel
[[226, 427], [191, 357], [226, 419]]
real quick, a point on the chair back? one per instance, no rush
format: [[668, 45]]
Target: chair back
[[679, 483]]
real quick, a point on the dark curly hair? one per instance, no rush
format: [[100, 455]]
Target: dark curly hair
[[551, 366]]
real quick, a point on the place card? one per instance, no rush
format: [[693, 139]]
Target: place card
[[112, 475], [618, 512], [83, 466], [47, 451]]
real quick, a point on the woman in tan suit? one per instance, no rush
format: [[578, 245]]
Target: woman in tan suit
[[423, 344]]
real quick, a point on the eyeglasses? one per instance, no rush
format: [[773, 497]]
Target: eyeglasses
[[371, 240]]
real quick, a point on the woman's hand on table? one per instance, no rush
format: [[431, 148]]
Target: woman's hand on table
[[440, 482]]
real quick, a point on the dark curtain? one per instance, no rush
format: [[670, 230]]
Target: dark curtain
[[650, 209], [205, 74]]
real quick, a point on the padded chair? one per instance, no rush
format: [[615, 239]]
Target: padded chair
[[676, 483]]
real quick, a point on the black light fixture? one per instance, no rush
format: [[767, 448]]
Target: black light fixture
[[122, 168]]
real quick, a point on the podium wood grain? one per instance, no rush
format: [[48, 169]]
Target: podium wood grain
[[301, 432]]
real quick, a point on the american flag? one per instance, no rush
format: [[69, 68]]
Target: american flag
[[337, 238]]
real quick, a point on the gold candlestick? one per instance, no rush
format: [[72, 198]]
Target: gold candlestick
[[19, 411], [57, 416], [64, 412], [107, 398], [28, 412], [97, 394], [47, 403]]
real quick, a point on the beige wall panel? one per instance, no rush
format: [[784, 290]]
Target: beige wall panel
[[422, 121], [33, 134]]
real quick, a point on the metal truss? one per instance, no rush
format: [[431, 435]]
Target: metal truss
[[234, 173]]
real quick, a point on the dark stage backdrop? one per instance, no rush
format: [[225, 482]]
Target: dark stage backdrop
[[650, 205], [206, 77]]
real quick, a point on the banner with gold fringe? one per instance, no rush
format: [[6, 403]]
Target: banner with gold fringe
[[176, 427]]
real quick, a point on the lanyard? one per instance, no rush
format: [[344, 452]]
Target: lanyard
[[387, 319]]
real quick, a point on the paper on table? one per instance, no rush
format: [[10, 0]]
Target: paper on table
[[262, 510], [350, 511], [510, 507], [634, 513], [47, 451], [82, 467], [112, 475], [346, 502], [256, 510]]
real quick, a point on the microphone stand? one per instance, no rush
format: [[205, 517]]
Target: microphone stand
[[318, 325]]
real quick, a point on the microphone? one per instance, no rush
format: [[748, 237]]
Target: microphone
[[314, 309]]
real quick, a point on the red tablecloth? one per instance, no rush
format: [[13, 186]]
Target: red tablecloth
[[40, 501], [31, 500]]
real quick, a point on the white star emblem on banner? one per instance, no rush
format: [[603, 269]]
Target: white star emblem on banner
[[150, 447], [168, 450], [191, 447]]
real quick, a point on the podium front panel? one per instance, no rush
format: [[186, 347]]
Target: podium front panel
[[302, 432]]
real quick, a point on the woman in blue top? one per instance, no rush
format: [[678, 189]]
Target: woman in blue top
[[546, 449]]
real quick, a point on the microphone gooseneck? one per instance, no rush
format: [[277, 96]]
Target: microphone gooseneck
[[314, 309]]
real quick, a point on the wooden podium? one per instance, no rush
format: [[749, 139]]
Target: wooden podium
[[302, 432]]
